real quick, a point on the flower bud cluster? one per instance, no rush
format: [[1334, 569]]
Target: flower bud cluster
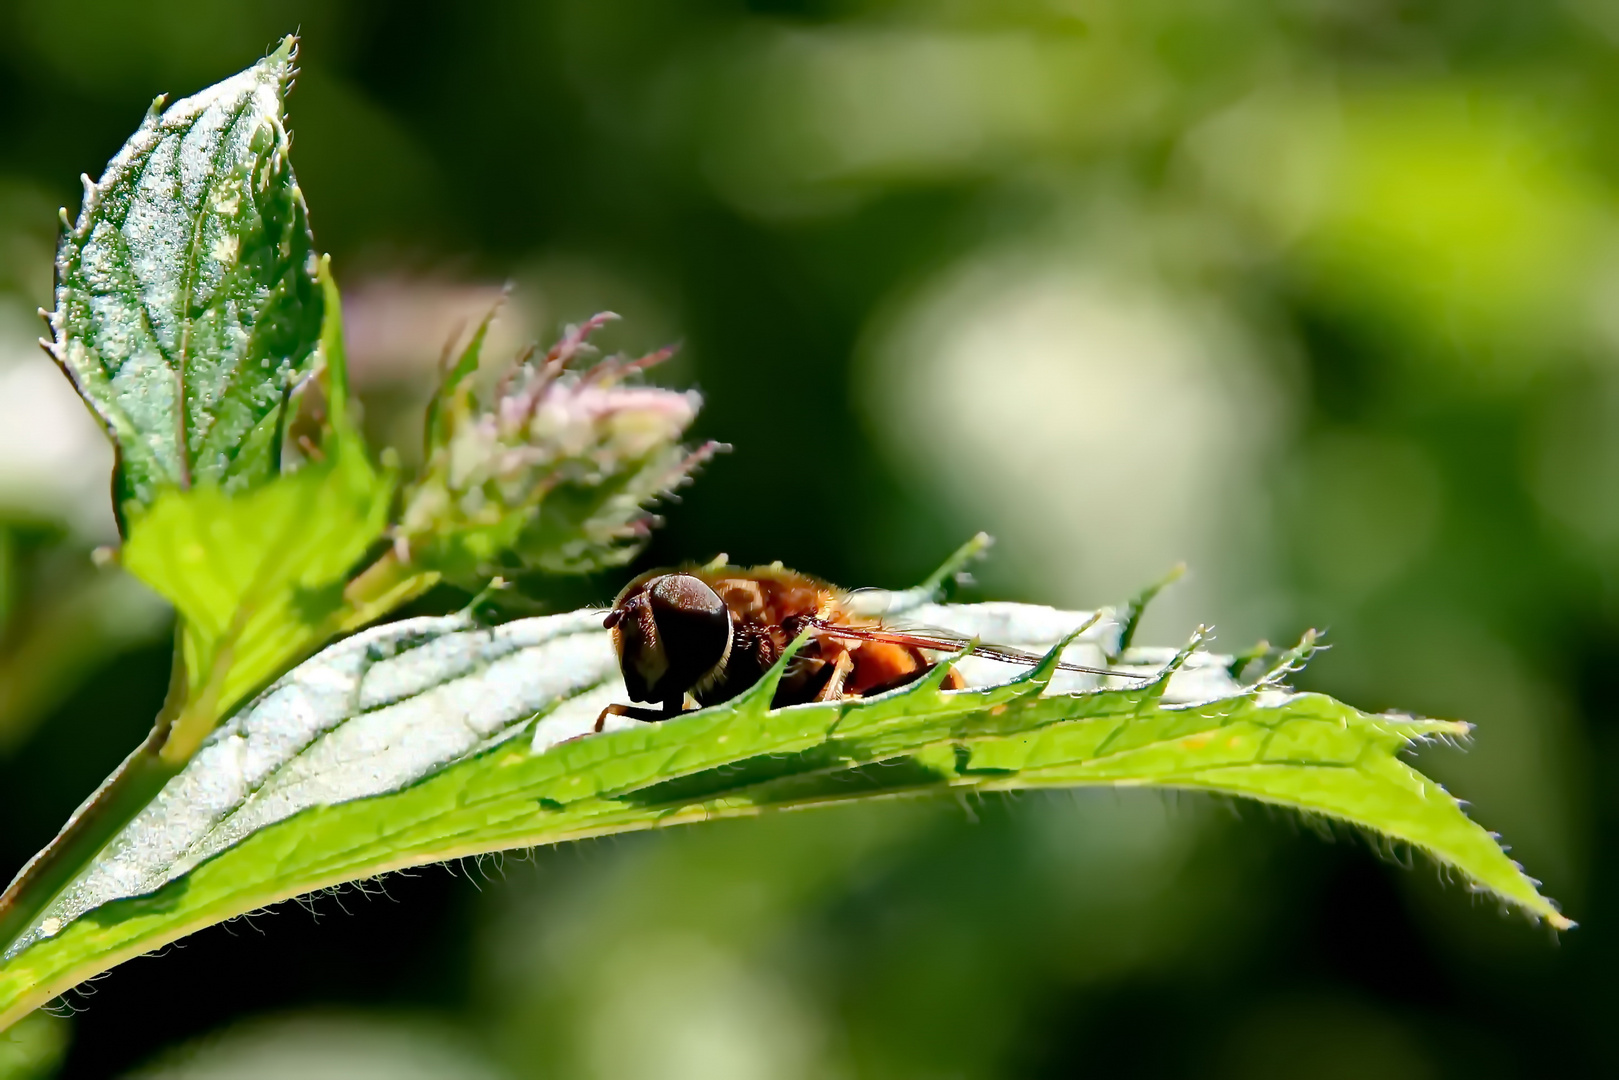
[[554, 472]]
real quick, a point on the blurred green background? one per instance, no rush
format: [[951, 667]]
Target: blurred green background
[[1320, 296]]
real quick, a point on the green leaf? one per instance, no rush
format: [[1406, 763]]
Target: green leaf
[[257, 577], [334, 355], [317, 782], [450, 384], [186, 300]]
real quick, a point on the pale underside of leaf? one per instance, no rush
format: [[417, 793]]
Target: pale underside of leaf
[[398, 747], [186, 304], [380, 710], [365, 718]]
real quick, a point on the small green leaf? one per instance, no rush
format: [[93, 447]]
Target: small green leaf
[[1137, 607], [450, 385], [256, 577], [186, 303], [334, 355], [397, 747]]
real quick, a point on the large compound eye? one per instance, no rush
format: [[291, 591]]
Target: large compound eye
[[694, 628], [639, 647]]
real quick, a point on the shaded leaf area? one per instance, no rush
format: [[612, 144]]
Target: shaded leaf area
[[395, 748], [186, 301]]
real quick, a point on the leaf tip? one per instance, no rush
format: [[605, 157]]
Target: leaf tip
[[279, 68], [759, 697], [1037, 678], [1131, 622], [284, 53], [941, 669], [1287, 663], [1160, 683], [956, 565]]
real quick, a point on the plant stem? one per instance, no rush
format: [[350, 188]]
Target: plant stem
[[378, 589], [109, 808], [120, 797]]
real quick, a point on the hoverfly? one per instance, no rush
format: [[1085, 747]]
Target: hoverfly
[[709, 633]]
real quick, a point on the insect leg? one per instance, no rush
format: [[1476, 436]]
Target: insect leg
[[833, 690], [634, 712]]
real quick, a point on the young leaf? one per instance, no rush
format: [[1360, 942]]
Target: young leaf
[[397, 747], [186, 301], [334, 355], [257, 577]]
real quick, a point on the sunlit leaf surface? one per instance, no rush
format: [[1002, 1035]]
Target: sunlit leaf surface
[[186, 303], [432, 739]]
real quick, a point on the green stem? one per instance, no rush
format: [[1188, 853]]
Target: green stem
[[98, 819], [123, 795], [381, 587]]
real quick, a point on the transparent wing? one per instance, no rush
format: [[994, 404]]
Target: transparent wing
[[937, 640]]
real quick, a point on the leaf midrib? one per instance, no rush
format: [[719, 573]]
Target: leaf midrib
[[188, 279]]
